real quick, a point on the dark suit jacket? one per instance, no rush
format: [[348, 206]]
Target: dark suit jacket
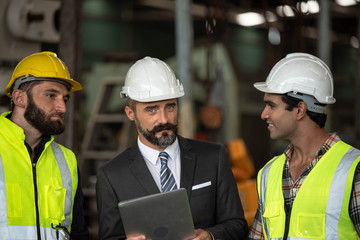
[[215, 208]]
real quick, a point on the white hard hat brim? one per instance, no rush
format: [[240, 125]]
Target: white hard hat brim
[[261, 86]]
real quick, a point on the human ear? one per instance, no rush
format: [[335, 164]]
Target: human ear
[[19, 98], [301, 109], [130, 113]]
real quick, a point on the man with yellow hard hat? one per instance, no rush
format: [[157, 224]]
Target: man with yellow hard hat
[[40, 192]]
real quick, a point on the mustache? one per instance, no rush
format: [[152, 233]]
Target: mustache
[[62, 115], [161, 127]]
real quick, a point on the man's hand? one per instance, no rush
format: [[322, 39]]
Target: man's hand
[[202, 235], [137, 237]]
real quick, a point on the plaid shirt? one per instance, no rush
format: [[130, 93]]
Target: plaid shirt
[[290, 188]]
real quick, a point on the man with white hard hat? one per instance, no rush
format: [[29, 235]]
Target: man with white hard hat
[[202, 168], [312, 190]]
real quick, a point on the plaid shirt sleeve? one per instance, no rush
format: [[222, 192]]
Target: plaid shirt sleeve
[[256, 231], [354, 207]]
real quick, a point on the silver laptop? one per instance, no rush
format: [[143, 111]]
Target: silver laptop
[[159, 216]]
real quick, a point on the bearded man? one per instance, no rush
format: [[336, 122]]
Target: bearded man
[[40, 192], [202, 168]]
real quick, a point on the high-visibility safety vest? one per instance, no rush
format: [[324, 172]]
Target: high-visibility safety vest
[[45, 190], [321, 207]]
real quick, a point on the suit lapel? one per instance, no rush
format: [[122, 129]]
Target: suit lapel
[[140, 170], [188, 162]]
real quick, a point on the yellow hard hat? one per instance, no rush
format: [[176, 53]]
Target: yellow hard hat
[[41, 66]]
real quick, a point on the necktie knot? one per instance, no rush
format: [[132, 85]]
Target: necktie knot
[[163, 157]]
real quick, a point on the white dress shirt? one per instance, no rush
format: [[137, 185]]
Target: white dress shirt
[[153, 163]]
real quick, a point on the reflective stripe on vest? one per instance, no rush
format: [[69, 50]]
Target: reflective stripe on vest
[[30, 232], [338, 185], [263, 184], [335, 197], [66, 180]]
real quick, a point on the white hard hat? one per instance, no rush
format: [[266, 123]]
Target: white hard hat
[[300, 73], [149, 80]]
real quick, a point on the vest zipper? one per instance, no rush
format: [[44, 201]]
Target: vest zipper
[[287, 221], [36, 202]]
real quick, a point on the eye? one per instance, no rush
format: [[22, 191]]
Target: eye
[[150, 110], [170, 108]]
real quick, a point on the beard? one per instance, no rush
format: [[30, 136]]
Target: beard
[[42, 122], [165, 140]]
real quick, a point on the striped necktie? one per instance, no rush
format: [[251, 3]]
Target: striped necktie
[[166, 177]]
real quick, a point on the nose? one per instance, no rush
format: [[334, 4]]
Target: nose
[[60, 106], [265, 114], [162, 118]]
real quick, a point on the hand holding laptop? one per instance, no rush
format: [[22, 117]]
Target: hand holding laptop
[[200, 235], [137, 237]]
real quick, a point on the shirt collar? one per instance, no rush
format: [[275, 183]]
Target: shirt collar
[[152, 155], [330, 141]]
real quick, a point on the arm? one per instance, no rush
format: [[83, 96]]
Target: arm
[[79, 230], [354, 206], [110, 223], [230, 221], [256, 229]]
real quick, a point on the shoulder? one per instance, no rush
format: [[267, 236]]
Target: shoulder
[[199, 144], [66, 151], [202, 150], [121, 160]]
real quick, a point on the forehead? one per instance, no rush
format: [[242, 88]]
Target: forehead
[[157, 103], [50, 85], [272, 97]]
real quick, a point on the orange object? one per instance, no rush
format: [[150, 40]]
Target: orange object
[[239, 174], [239, 156], [249, 199]]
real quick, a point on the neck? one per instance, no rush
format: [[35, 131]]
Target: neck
[[304, 152], [150, 145], [308, 145]]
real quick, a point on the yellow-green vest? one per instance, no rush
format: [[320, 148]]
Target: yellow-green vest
[[56, 183], [320, 209]]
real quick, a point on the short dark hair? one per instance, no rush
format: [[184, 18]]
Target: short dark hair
[[318, 118], [26, 87], [131, 104]]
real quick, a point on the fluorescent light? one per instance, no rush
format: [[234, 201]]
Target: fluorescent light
[[303, 7], [345, 3], [274, 36], [279, 11], [354, 42], [288, 11], [270, 16], [250, 19], [313, 6]]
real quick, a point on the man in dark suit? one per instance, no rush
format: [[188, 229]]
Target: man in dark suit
[[202, 168]]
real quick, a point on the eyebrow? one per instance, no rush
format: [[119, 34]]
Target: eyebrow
[[52, 90], [152, 106], [269, 102]]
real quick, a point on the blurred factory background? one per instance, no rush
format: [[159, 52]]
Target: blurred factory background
[[217, 48]]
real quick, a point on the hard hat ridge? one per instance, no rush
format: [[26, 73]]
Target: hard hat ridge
[[42, 66], [150, 79]]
